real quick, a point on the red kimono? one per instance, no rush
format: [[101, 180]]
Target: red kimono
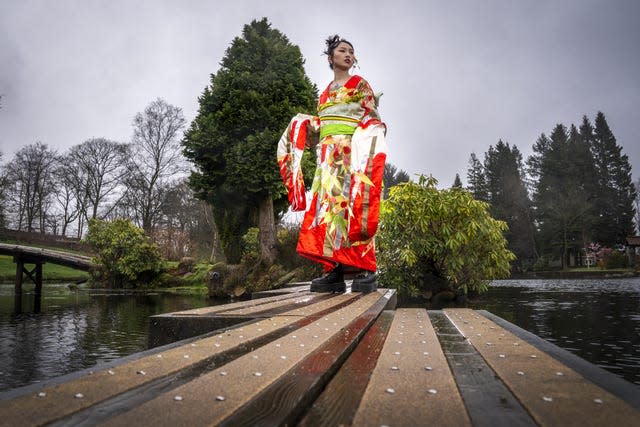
[[342, 219]]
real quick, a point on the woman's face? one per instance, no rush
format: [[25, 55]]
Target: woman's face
[[343, 57]]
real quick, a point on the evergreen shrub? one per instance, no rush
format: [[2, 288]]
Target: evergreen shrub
[[433, 240], [125, 255]]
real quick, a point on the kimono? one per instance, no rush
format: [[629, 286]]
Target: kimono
[[341, 220]]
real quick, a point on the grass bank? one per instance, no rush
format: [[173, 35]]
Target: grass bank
[[50, 272]]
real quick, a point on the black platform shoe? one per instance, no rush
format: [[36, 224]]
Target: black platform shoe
[[364, 282], [330, 282]]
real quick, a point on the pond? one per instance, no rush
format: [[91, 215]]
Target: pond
[[598, 320], [75, 329]]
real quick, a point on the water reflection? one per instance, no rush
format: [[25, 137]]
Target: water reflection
[[74, 330]]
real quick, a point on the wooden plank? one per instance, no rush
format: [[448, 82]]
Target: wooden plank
[[412, 384], [287, 399], [553, 393], [276, 307], [217, 309], [340, 399], [623, 389], [216, 395], [59, 400], [488, 402], [168, 328]]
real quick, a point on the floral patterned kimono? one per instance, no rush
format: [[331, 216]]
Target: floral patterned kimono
[[340, 224]]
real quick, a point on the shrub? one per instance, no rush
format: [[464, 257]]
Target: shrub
[[615, 259], [432, 240], [124, 253]]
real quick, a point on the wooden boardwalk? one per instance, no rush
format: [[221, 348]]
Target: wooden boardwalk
[[319, 359]]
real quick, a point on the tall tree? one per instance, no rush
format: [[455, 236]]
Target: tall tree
[[477, 179], [457, 182], [100, 166], [563, 207], [67, 194], [156, 160], [392, 176], [3, 193], [509, 200], [260, 85], [636, 206], [31, 186], [616, 193]]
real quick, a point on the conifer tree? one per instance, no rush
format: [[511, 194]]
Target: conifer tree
[[260, 85], [392, 176], [616, 193], [509, 201], [563, 207], [457, 182], [476, 179]]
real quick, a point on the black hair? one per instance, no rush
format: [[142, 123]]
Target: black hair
[[332, 43]]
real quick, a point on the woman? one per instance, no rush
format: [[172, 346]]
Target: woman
[[340, 224]]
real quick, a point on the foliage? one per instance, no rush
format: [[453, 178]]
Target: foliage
[[457, 182], [392, 176], [124, 253], [509, 201], [477, 179], [610, 259], [431, 239], [563, 194], [232, 141], [250, 244], [616, 193]]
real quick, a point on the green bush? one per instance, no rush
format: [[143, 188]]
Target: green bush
[[615, 259], [251, 245], [125, 256], [434, 240]]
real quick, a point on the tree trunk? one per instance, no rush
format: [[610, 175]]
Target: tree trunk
[[217, 254], [267, 225]]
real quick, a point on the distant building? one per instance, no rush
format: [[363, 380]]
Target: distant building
[[633, 250]]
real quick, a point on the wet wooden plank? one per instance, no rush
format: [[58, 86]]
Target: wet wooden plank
[[56, 401], [553, 393], [216, 309], [412, 384], [623, 389], [287, 399], [216, 395], [488, 401], [340, 399]]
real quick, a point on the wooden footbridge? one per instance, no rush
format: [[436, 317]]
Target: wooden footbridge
[[318, 359], [27, 255]]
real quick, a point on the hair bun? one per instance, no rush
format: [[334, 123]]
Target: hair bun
[[332, 42]]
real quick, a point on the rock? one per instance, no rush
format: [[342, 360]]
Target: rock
[[186, 265]]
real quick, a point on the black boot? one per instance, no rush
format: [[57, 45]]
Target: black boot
[[330, 282], [364, 282]]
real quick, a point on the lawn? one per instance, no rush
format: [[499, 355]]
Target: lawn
[[50, 272]]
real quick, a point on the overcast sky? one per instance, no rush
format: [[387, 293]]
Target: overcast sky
[[457, 76]]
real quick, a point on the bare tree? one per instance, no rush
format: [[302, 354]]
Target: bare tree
[[30, 186], [3, 185], [69, 195], [100, 168], [156, 160], [184, 216]]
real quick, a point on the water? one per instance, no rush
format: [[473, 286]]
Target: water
[[599, 320], [75, 329]]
